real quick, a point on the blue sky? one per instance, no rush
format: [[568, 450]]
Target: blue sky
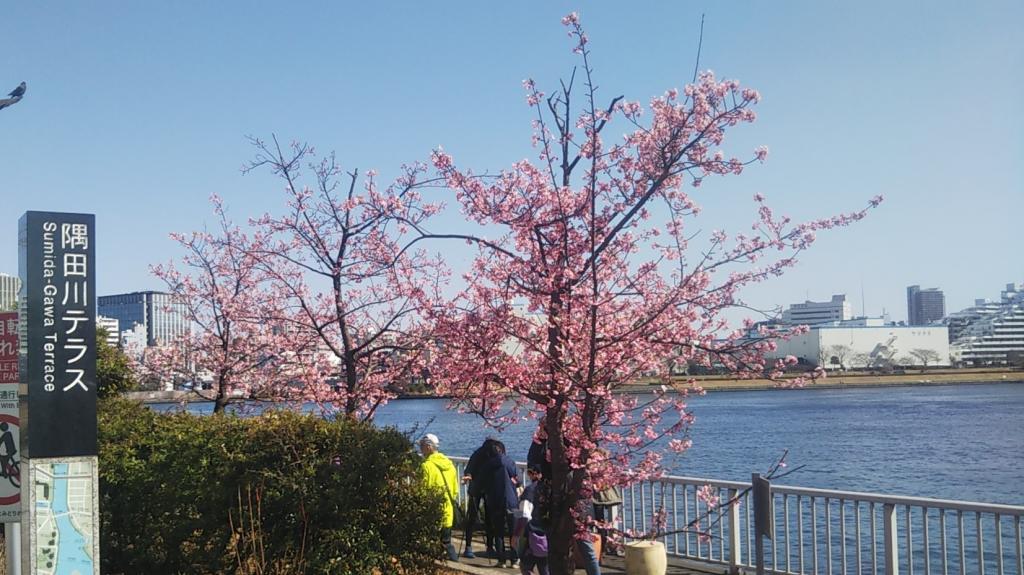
[[138, 111]]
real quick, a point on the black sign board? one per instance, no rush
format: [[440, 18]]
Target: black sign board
[[58, 333]]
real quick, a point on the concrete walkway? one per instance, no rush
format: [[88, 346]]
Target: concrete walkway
[[610, 565]]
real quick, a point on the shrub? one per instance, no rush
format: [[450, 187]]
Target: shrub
[[114, 371], [277, 493]]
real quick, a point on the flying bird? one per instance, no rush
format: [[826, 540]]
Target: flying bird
[[15, 96]]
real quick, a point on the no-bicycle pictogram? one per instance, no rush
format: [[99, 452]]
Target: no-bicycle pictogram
[[10, 466]]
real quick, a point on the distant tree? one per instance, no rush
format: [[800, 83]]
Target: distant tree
[[904, 361], [860, 360], [823, 358], [925, 356], [115, 371], [837, 355]]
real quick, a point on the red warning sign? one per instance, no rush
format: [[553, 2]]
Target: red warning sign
[[8, 347]]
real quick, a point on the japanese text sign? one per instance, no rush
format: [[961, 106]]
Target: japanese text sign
[[58, 352]]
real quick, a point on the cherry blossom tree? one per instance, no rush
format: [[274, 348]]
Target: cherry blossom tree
[[331, 258], [238, 344], [591, 271]]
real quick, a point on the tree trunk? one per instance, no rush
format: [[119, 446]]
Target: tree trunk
[[563, 525], [560, 543], [221, 400], [219, 404]]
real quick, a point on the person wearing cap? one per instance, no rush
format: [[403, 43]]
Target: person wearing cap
[[439, 473]]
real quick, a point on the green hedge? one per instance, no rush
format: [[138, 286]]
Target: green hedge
[[274, 494]]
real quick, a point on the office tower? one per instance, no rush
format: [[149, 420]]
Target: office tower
[[925, 306], [163, 319]]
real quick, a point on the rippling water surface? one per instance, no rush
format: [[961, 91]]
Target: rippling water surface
[[949, 442]]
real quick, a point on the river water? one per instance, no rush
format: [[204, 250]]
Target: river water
[[949, 442]]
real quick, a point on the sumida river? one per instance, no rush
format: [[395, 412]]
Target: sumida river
[[950, 442]]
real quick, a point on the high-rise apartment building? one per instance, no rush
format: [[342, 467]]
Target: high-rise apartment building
[[925, 306], [959, 321], [111, 327], [992, 333], [9, 286], [816, 312], [162, 317]]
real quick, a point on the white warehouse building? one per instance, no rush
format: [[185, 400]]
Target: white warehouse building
[[868, 343]]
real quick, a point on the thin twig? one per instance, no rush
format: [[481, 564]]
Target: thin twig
[[700, 42]]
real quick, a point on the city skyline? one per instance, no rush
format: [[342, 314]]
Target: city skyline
[[138, 115]]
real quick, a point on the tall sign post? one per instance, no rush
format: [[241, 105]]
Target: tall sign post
[[10, 464], [57, 345]]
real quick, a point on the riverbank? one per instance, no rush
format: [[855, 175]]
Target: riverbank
[[850, 379], [713, 383]]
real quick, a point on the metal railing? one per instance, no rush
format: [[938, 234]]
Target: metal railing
[[829, 532]]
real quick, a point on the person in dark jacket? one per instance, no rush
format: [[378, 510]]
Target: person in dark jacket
[[536, 525], [537, 456], [499, 473], [473, 475]]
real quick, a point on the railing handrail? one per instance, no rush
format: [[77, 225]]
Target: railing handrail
[[957, 505]]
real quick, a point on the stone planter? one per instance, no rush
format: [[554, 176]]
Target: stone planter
[[646, 558]]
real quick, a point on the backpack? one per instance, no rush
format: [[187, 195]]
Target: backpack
[[538, 542]]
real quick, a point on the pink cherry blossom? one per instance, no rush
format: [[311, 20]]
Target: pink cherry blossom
[[588, 277]]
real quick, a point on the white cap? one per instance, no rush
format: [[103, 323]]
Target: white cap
[[431, 439]]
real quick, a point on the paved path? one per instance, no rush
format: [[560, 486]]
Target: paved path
[[609, 566]]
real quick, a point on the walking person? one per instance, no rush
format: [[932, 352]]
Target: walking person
[[498, 474], [473, 475], [439, 473], [585, 544]]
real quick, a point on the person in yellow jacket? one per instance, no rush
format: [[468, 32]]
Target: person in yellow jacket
[[439, 473]]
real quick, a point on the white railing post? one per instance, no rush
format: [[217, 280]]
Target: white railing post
[[735, 552], [890, 535]]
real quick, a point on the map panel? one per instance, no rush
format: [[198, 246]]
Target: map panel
[[64, 528]]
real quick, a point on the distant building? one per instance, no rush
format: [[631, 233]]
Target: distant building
[[112, 327], [162, 318], [9, 287], [867, 343], [925, 306], [958, 322], [813, 312], [991, 333], [133, 342]]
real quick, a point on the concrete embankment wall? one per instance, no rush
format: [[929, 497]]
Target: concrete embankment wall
[[721, 383], [839, 380]]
